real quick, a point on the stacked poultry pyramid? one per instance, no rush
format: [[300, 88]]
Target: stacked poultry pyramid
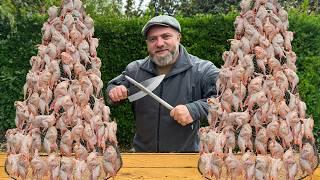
[[258, 110], [63, 112]]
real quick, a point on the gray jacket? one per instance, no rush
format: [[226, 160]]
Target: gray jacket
[[190, 81]]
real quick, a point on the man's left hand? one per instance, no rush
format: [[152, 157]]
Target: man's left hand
[[181, 114]]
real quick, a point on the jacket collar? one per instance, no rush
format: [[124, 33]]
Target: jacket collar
[[182, 64]]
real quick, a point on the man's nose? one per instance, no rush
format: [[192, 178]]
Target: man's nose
[[160, 42]]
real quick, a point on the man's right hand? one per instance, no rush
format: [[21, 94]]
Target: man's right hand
[[118, 93]]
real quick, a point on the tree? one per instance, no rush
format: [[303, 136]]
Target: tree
[[11, 10], [7, 11], [192, 7], [103, 7], [129, 8], [168, 7]]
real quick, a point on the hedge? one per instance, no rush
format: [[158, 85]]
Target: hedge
[[121, 42]]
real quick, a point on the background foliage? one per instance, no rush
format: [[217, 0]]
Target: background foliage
[[12, 10], [121, 42]]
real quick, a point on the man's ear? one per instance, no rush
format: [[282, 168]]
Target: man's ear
[[179, 37]]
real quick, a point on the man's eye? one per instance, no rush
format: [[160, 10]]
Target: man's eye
[[151, 39], [166, 36]]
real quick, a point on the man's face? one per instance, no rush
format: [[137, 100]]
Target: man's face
[[163, 45]]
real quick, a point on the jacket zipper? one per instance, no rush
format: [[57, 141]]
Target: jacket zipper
[[158, 127]]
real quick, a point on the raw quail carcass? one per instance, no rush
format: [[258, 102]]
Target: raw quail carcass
[[54, 166], [214, 112], [261, 141], [234, 166], [248, 160], [50, 140], [219, 144], [308, 126], [81, 153], [110, 133], [203, 140], [238, 118], [262, 167], [77, 131], [45, 121], [230, 138], [285, 134], [275, 167], [66, 168], [244, 139], [22, 113], [227, 100], [36, 140], [211, 138], [89, 136], [275, 149], [11, 164], [217, 163], [23, 165], [26, 143], [39, 166], [80, 169], [290, 164], [292, 78], [93, 166], [307, 159], [111, 161], [11, 141], [273, 129], [66, 144], [100, 131]]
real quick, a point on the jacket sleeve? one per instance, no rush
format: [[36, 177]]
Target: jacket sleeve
[[199, 108], [119, 80]]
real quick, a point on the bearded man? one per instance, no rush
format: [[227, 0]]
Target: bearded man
[[188, 82]]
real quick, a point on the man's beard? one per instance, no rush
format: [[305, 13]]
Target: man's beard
[[169, 59]]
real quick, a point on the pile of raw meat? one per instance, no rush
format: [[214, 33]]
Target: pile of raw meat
[[258, 110], [63, 112]]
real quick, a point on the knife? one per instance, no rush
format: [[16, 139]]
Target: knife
[[147, 91]]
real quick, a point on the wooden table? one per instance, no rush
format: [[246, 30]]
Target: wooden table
[[159, 166], [154, 166]]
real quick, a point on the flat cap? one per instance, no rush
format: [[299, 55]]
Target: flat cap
[[162, 20]]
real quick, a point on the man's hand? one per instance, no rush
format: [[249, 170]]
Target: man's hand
[[181, 114], [118, 93]]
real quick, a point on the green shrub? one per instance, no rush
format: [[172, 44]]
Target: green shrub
[[309, 89], [121, 42], [15, 52]]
